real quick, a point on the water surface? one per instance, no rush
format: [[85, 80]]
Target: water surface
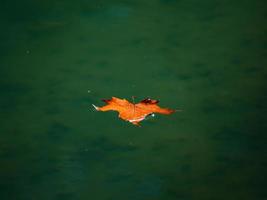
[[207, 58]]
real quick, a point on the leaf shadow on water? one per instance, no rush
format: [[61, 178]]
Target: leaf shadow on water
[[100, 148]]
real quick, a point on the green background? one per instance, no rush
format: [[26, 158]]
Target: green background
[[207, 58]]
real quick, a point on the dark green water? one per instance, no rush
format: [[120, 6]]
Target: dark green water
[[207, 58]]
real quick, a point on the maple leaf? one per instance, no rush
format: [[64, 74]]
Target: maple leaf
[[133, 113]]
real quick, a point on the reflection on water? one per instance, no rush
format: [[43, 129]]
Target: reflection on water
[[204, 57]]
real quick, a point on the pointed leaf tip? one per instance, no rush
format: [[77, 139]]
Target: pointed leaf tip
[[95, 107]]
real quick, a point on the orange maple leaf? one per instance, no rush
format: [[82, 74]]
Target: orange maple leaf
[[133, 113]]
